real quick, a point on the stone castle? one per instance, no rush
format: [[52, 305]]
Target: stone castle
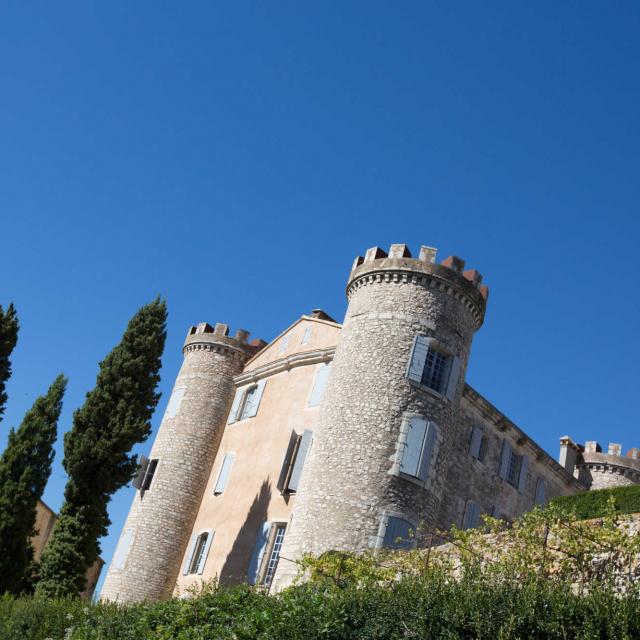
[[336, 436]]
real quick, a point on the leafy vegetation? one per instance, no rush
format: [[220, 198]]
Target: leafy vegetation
[[25, 467], [8, 338], [547, 575], [97, 450], [594, 504]]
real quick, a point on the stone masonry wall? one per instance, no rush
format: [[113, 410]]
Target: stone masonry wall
[[162, 517], [347, 484]]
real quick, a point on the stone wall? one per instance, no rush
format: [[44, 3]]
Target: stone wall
[[348, 483], [160, 519]]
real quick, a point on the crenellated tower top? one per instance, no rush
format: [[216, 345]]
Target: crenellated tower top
[[217, 338], [398, 265]]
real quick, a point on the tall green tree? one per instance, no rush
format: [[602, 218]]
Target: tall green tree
[[8, 338], [97, 450], [25, 467]]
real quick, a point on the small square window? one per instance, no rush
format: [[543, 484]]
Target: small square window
[[436, 368]]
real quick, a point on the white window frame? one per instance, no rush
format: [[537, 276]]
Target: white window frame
[[276, 526], [451, 376], [401, 444], [197, 556]]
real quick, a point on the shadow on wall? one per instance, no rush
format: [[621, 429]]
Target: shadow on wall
[[234, 570]]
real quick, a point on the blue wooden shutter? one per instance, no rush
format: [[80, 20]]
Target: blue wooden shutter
[[319, 385], [258, 553], [413, 447], [303, 450], [418, 358], [427, 451], [253, 401], [285, 471], [205, 553], [142, 472], [522, 480], [471, 515], [398, 534], [233, 414], [306, 335], [505, 458], [122, 550], [189, 556], [540, 492], [476, 441], [173, 406], [454, 378], [223, 476]]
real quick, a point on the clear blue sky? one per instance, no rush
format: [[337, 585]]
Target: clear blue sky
[[236, 157]]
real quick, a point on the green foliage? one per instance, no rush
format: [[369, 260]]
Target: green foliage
[[593, 504], [8, 338], [25, 467], [418, 607], [115, 416]]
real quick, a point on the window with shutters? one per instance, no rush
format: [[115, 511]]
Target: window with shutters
[[319, 385], [434, 367], [513, 466], [284, 343], [295, 457], [396, 533], [306, 336], [478, 443], [540, 499], [418, 442], [223, 475], [148, 476], [272, 554], [246, 402], [197, 553], [471, 518]]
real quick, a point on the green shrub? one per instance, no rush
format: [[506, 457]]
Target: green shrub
[[420, 607], [593, 504]]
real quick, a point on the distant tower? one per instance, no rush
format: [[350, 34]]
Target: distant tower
[[396, 383], [153, 541]]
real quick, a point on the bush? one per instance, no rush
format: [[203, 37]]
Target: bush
[[593, 504], [420, 607]]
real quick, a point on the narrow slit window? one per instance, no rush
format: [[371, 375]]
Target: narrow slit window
[[148, 476]]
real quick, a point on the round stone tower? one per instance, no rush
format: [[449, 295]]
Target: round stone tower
[[154, 538], [401, 356]]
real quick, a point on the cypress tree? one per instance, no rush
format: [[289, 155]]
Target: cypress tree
[[115, 416], [25, 467], [8, 337]]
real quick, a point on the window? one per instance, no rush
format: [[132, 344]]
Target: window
[[471, 518], [246, 402], [174, 403], [122, 550], [513, 466], [197, 553], [297, 452], [306, 336], [146, 471], [478, 444], [319, 385], [420, 439], [148, 476], [540, 499], [266, 553], [223, 476], [434, 367], [273, 554], [397, 533]]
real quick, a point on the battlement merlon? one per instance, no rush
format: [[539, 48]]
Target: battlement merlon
[[399, 263], [204, 335]]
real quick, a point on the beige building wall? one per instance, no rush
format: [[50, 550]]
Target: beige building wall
[[260, 443]]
